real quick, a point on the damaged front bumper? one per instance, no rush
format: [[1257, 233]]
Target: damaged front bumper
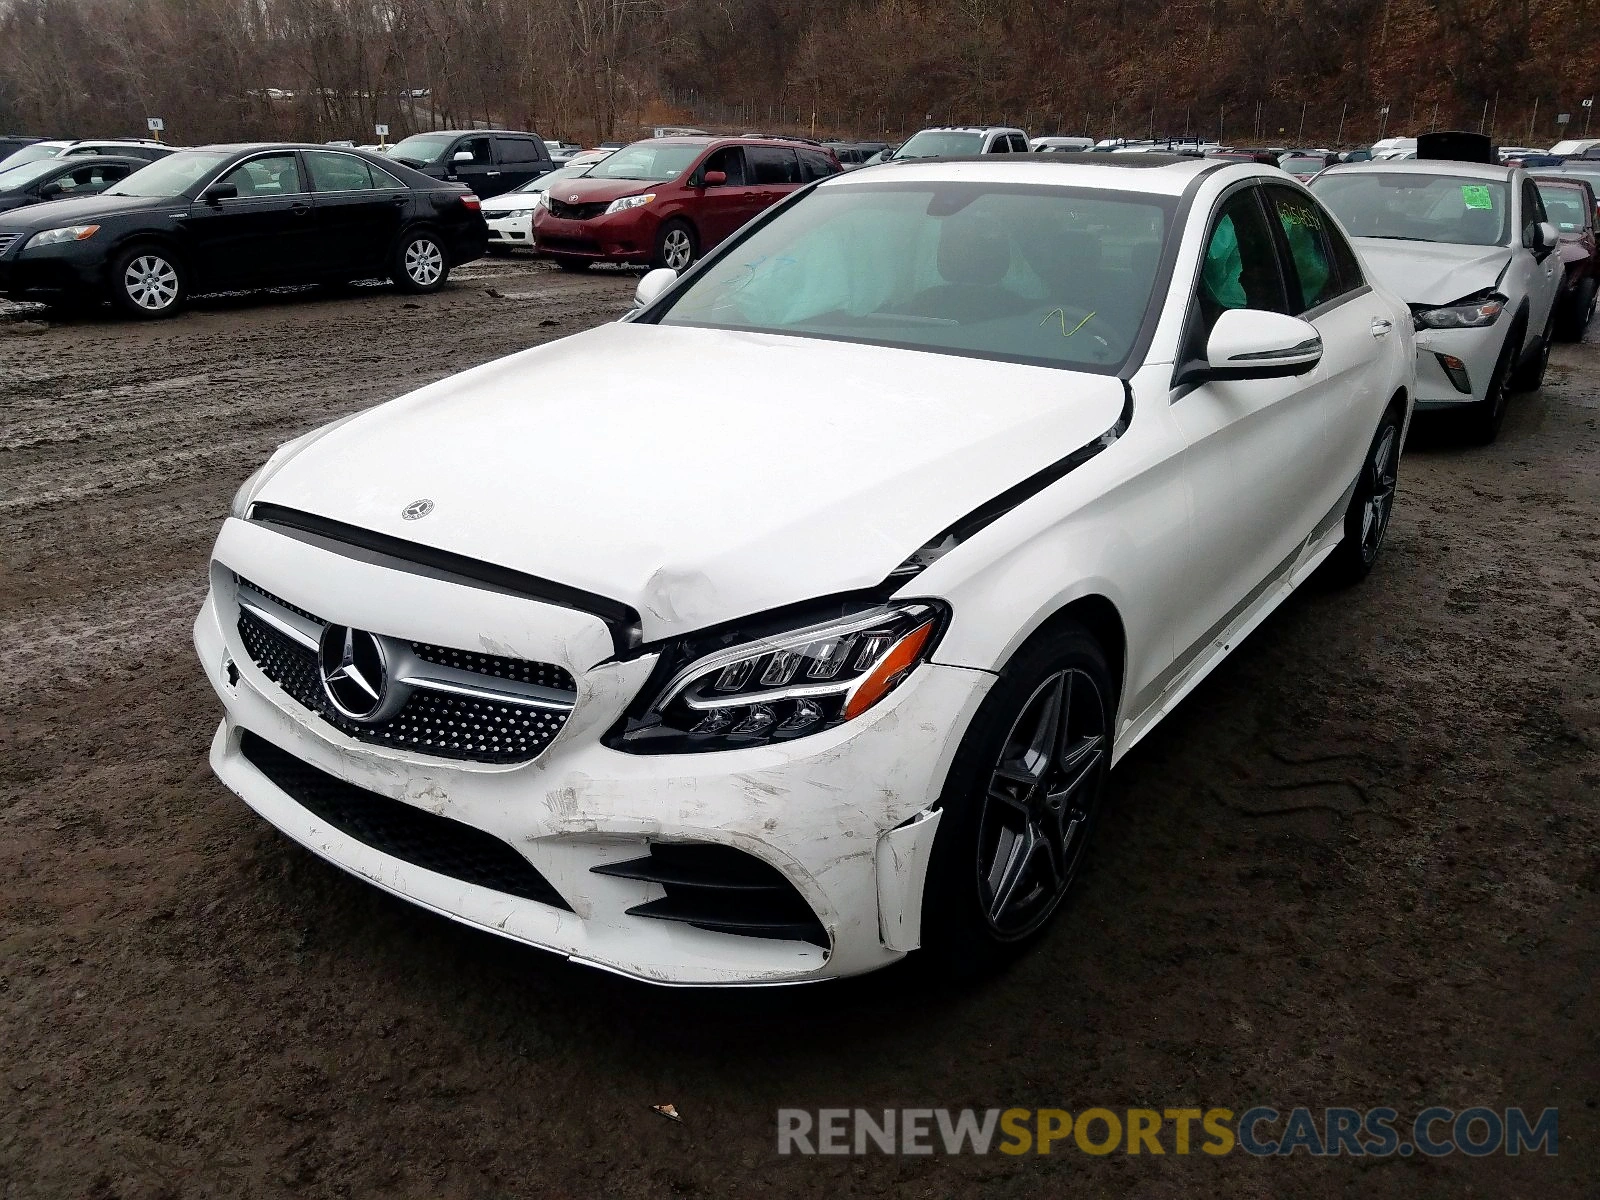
[[846, 817]]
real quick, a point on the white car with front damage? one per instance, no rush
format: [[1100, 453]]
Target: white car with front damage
[[793, 622], [1470, 248]]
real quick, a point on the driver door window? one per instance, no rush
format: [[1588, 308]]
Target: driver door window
[[272, 175], [730, 161], [1238, 270]]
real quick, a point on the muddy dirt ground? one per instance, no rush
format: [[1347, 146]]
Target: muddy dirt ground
[[1360, 866]]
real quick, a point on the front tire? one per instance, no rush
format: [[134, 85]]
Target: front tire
[[1366, 521], [1530, 375], [420, 263], [676, 246], [1483, 419], [149, 282], [1021, 803], [1579, 313]]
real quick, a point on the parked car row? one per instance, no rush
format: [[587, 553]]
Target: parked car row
[[220, 218]]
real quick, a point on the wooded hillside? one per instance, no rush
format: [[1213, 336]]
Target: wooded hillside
[[589, 69]]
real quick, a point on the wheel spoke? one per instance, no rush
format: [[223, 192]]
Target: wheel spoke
[[1012, 856]]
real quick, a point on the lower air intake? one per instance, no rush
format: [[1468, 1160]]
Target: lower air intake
[[400, 830], [720, 889]]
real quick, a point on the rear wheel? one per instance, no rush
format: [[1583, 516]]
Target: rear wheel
[[419, 264], [1366, 521], [148, 282], [1021, 803], [676, 246]]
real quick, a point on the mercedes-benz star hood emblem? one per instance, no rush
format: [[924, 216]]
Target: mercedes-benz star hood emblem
[[416, 510]]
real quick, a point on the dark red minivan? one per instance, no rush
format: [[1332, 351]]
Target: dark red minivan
[[666, 201]]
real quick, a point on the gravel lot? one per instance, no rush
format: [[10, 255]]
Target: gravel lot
[[1360, 866]]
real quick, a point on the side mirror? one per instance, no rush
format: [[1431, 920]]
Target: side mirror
[[1546, 237], [1248, 343], [220, 191], [653, 286], [714, 179], [50, 191], [462, 156]]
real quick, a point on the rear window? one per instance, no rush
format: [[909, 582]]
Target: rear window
[[772, 164], [1045, 275]]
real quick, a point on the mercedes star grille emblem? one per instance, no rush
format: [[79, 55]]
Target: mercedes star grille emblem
[[354, 673], [416, 510], [574, 199]]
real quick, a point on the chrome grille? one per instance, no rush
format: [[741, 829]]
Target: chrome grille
[[577, 212], [461, 704]]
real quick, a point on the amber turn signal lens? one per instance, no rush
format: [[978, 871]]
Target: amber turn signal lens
[[882, 678]]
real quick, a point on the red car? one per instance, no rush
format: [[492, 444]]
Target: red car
[[666, 201], [1570, 204]]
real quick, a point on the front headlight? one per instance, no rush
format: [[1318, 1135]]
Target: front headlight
[[1470, 312], [624, 203], [739, 689], [67, 233]]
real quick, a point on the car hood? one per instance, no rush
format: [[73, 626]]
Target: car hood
[[592, 191], [80, 209], [697, 475], [510, 202], [1432, 272]]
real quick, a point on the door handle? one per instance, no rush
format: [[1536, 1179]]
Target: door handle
[[491, 174], [1381, 328], [300, 210]]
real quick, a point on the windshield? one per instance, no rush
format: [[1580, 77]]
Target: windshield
[[172, 176], [1046, 275], [934, 143], [422, 148], [13, 176], [31, 153], [1563, 205], [648, 160], [1413, 207]]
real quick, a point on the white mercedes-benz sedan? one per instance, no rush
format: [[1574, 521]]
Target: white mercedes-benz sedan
[[793, 622]]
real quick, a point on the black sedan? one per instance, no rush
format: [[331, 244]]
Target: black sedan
[[63, 178], [225, 218]]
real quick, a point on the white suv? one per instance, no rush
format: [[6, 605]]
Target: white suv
[[1469, 247], [959, 141]]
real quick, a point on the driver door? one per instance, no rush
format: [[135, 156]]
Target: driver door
[[263, 234], [1248, 443], [722, 208]]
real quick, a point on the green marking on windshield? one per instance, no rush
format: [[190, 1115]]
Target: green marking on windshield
[[1475, 195]]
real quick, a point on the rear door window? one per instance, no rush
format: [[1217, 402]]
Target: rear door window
[[1315, 276], [338, 172], [772, 165], [518, 150], [815, 165]]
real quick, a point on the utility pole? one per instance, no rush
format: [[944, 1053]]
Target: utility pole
[[1340, 139], [1300, 138], [1533, 120], [1588, 107], [1384, 124], [1221, 113], [1433, 121]]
